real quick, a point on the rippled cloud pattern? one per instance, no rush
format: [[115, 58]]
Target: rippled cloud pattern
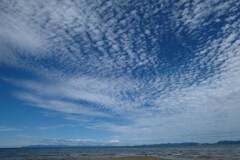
[[144, 71]]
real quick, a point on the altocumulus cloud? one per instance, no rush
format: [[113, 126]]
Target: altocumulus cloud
[[167, 69], [77, 142]]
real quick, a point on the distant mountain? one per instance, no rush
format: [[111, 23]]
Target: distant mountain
[[191, 144], [46, 146], [187, 144], [228, 142], [172, 144]]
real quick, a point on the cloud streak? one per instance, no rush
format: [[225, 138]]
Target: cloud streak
[[157, 67], [78, 142], [9, 129]]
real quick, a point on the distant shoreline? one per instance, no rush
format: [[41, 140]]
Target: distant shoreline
[[162, 145]]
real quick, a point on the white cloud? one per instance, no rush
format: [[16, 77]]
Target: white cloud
[[9, 129], [54, 126], [100, 63], [59, 105], [77, 142]]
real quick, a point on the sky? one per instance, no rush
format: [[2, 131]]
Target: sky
[[119, 72]]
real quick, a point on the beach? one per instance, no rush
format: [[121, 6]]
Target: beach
[[219, 152]]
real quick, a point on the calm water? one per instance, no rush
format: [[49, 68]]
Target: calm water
[[180, 153]]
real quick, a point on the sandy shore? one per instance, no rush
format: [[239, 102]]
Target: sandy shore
[[117, 158], [137, 158]]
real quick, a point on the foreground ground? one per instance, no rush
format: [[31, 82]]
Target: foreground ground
[[138, 158], [99, 158], [222, 152]]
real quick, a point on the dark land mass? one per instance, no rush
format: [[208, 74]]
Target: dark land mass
[[223, 150], [187, 144]]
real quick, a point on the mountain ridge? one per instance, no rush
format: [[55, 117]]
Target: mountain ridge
[[184, 144]]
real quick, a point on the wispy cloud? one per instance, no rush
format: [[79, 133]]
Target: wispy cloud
[[78, 142], [47, 127], [173, 69], [9, 129], [59, 105]]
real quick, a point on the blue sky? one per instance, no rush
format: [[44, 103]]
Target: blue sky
[[119, 72]]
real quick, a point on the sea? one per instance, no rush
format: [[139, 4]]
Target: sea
[[218, 152]]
